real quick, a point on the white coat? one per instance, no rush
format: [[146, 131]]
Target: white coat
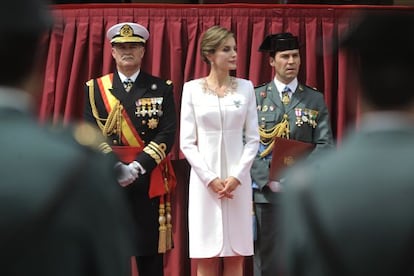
[[219, 138]]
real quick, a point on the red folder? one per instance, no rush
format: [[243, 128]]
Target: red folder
[[285, 153]]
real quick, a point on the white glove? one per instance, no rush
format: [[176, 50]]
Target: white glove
[[134, 168], [274, 186], [127, 175], [137, 166]]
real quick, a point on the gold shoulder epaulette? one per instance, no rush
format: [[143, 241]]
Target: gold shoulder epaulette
[[168, 82], [89, 82]]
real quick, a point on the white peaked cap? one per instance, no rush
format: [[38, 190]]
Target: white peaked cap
[[127, 32]]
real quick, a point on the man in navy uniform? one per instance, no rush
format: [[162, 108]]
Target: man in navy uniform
[[62, 211], [136, 112], [352, 213], [287, 109]]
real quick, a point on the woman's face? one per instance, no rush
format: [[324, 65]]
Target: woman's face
[[225, 57]]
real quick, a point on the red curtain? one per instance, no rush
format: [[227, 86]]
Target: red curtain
[[78, 50]]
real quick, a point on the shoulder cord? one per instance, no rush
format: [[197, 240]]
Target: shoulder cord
[[267, 136], [113, 122]]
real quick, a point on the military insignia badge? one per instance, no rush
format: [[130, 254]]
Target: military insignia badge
[[304, 115], [298, 113], [263, 122], [312, 118], [126, 30], [152, 123]]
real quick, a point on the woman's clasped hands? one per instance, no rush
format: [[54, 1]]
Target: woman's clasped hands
[[224, 188]]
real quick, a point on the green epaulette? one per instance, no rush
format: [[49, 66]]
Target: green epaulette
[[260, 85], [312, 88]]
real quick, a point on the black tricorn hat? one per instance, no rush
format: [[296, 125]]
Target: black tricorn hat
[[279, 42]]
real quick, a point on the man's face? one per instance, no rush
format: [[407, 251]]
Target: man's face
[[286, 64], [128, 56]]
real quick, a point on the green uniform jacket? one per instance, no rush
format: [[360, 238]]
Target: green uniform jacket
[[62, 211], [270, 112]]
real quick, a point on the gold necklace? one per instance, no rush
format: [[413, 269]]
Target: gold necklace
[[230, 88]]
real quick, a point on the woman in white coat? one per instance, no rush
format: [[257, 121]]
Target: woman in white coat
[[219, 138]]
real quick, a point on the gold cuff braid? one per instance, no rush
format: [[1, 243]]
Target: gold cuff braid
[[157, 152]]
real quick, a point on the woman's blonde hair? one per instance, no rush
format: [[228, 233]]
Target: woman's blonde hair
[[212, 39]]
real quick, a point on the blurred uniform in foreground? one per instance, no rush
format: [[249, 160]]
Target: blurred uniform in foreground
[[352, 212], [61, 210]]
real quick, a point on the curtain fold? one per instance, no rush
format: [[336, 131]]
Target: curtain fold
[[77, 50]]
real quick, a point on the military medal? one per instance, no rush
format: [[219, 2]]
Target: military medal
[[304, 118], [305, 115], [138, 109], [312, 117], [152, 123], [154, 106], [159, 106], [298, 113], [262, 122]]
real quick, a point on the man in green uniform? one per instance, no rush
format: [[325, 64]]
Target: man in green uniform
[[352, 213], [300, 115], [62, 211]]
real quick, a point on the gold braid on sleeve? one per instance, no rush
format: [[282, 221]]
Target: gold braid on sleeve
[[267, 136], [111, 125]]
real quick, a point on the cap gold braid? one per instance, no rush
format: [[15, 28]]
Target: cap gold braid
[[126, 34], [267, 136]]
